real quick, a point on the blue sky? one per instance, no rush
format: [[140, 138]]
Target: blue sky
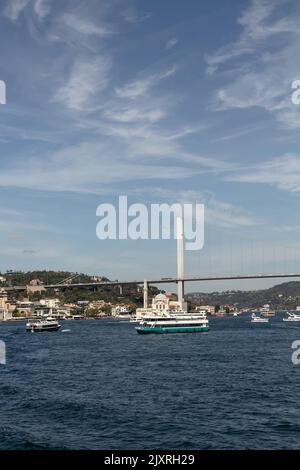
[[164, 102]]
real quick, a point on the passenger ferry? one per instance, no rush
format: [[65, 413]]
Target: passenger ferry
[[174, 323], [42, 325]]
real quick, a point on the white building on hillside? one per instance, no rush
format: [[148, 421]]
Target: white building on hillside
[[207, 308], [161, 305], [51, 303], [118, 310]]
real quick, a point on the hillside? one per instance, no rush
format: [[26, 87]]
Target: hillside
[[131, 293], [286, 296]]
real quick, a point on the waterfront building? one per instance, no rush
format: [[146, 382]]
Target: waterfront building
[[25, 308], [209, 309], [42, 311], [99, 304], [119, 310], [161, 305], [51, 303], [5, 314], [35, 286]]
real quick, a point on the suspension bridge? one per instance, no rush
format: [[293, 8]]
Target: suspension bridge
[[261, 255]]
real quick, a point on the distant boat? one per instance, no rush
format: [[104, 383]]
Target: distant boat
[[257, 319], [42, 325], [134, 320], [291, 317]]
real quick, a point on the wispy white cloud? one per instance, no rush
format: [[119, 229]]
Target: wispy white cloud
[[255, 28], [87, 78], [282, 172], [42, 8], [129, 114], [85, 168], [14, 8], [261, 63], [140, 87], [85, 25], [130, 13], [217, 213], [171, 43]]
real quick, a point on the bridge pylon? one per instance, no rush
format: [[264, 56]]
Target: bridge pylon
[[180, 260]]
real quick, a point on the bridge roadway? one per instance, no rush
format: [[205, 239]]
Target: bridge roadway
[[163, 280]]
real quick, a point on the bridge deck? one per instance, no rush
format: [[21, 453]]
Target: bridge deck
[[160, 281]]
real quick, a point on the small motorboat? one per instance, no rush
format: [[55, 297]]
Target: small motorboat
[[291, 317], [256, 319], [42, 325]]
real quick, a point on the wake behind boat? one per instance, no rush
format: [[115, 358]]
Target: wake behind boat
[[256, 319], [43, 325]]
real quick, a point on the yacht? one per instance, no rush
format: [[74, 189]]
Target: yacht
[[256, 319], [174, 323], [291, 317], [42, 325]]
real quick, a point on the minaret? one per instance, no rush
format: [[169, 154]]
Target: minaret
[[145, 294], [180, 262]]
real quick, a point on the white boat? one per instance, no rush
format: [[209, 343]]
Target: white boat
[[256, 319], [42, 325], [134, 320], [174, 323], [291, 317]]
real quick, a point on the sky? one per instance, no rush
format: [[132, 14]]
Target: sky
[[163, 102]]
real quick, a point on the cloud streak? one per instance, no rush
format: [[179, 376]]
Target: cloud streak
[[282, 172], [261, 63], [87, 79]]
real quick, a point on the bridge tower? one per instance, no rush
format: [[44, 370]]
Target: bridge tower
[[180, 260]]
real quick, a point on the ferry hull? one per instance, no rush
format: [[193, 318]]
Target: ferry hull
[[39, 329], [162, 330]]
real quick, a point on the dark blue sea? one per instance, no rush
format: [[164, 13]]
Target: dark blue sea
[[102, 386]]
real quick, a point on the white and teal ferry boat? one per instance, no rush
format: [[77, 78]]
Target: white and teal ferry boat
[[185, 323]]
